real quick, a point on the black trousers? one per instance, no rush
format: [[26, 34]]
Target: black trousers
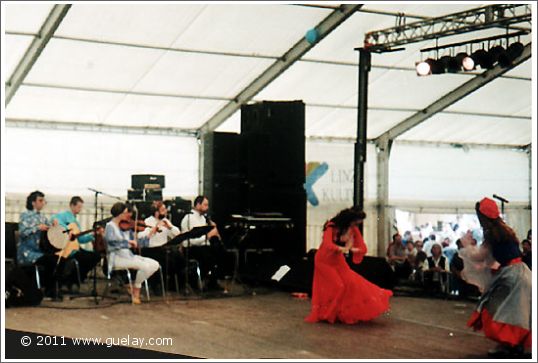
[[209, 258], [87, 260], [64, 270], [170, 259], [50, 269]]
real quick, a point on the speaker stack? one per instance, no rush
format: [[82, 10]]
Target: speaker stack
[[261, 170], [145, 189]]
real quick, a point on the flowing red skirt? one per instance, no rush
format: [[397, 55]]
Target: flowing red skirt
[[340, 294]]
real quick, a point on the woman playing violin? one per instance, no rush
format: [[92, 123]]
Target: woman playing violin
[[120, 238]]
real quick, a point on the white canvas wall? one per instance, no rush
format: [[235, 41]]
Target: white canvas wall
[[68, 162]]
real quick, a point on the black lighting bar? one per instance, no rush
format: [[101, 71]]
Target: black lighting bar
[[474, 41]]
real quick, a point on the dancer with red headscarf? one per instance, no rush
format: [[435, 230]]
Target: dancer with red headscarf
[[338, 292], [504, 309]]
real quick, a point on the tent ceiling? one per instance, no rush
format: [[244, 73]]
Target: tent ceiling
[[174, 65]]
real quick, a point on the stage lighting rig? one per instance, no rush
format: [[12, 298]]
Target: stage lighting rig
[[490, 52]]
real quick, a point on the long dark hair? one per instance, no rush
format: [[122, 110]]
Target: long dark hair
[[495, 229], [343, 220], [32, 198]]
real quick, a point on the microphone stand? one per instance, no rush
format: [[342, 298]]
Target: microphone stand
[[96, 210], [188, 289], [94, 289]]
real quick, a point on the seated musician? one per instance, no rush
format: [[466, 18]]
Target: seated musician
[[119, 241], [169, 257], [207, 250], [32, 225], [87, 259]]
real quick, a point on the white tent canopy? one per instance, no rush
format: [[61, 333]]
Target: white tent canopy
[[175, 65]]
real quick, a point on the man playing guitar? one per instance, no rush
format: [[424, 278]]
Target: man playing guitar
[[80, 245]]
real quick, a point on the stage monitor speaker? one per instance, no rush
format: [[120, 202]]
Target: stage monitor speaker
[[260, 266], [376, 270], [147, 181], [300, 276]]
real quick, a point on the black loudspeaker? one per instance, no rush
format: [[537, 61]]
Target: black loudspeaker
[[273, 149], [291, 203], [273, 142], [135, 194], [301, 275], [223, 180], [177, 208], [11, 243], [20, 290], [376, 270], [153, 195], [260, 266], [144, 210], [141, 181]]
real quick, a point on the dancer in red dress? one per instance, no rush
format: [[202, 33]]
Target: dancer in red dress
[[339, 293]]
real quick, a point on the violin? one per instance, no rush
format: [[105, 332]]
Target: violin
[[139, 226]]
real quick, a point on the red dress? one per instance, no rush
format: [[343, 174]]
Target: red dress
[[338, 292]]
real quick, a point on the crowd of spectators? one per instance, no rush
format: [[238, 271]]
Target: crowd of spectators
[[434, 261]]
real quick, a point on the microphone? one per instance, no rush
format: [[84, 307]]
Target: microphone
[[95, 191], [500, 198]]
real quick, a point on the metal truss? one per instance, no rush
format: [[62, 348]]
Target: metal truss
[[466, 21], [33, 52]]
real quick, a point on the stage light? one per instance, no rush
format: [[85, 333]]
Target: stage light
[[467, 63], [436, 66], [515, 50], [453, 65], [464, 62], [482, 58], [423, 68], [498, 55]]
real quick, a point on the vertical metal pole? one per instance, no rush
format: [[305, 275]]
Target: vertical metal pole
[[362, 113]]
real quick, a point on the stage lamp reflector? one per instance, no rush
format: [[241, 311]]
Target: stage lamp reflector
[[467, 63], [423, 68]]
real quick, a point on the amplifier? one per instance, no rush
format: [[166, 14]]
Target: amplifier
[[147, 181]]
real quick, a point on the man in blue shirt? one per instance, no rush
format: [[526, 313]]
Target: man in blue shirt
[[32, 226], [87, 259]]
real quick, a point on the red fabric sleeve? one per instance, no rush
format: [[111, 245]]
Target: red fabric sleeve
[[328, 240], [358, 242]]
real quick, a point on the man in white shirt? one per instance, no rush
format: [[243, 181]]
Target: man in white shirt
[[169, 257], [207, 249]]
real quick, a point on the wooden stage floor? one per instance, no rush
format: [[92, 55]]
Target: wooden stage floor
[[269, 325]]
